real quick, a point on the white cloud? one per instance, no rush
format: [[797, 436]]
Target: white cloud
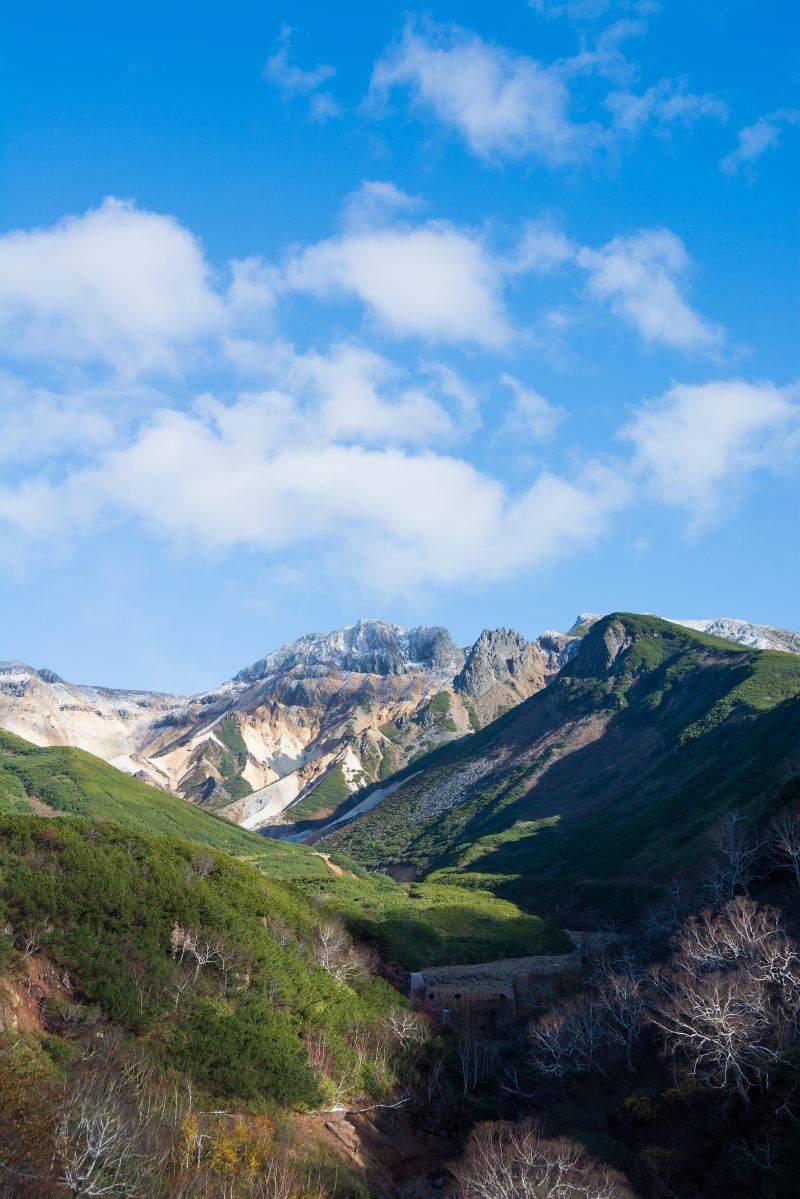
[[432, 280], [591, 10], [530, 416], [542, 248], [504, 105], [38, 423], [641, 276], [219, 478], [295, 81], [696, 443], [119, 286], [666, 103], [510, 106], [347, 404], [754, 139], [376, 202]]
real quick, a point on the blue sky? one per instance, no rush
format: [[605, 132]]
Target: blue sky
[[473, 315]]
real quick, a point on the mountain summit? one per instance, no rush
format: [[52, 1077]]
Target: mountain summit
[[367, 647], [308, 724]]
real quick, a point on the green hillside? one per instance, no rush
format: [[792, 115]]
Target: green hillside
[[412, 926], [75, 783], [606, 783]]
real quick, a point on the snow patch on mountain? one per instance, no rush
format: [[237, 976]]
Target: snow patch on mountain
[[757, 636]]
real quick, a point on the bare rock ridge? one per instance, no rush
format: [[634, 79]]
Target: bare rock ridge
[[293, 734], [367, 647]]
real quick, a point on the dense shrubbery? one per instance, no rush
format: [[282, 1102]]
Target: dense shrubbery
[[216, 965]]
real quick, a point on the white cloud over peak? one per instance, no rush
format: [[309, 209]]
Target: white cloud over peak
[[641, 275], [697, 443], [118, 286], [504, 105], [753, 140]]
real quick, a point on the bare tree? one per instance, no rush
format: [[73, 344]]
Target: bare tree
[[738, 851], [622, 998], [742, 935], [206, 951], [97, 1149], [784, 842], [514, 1161], [568, 1039], [31, 938], [474, 1060], [723, 1028], [406, 1027], [333, 952], [664, 917]]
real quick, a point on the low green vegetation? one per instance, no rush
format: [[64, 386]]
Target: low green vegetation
[[210, 961], [325, 797], [426, 924], [439, 709]]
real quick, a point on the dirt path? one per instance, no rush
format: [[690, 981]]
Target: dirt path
[[334, 869]]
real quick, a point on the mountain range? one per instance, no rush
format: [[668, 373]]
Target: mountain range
[[294, 734]]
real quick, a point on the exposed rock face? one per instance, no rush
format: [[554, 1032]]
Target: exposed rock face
[[502, 668], [368, 647], [352, 706], [600, 649], [496, 657]]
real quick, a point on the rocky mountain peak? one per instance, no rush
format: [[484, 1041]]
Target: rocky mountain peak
[[366, 647], [494, 658], [582, 622]]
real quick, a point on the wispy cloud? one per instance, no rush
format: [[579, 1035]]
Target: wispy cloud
[[591, 10], [665, 104], [293, 80], [530, 416], [508, 106], [753, 140]]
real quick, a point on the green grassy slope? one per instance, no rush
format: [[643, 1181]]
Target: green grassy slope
[[410, 926], [73, 782], [607, 782]]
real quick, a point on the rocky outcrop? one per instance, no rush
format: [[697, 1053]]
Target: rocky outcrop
[[498, 656]]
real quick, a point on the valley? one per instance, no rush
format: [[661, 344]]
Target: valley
[[489, 930]]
